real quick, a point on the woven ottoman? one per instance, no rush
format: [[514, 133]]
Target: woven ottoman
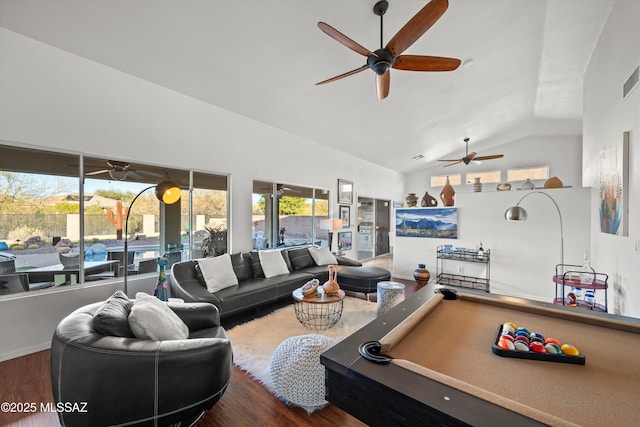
[[296, 372]]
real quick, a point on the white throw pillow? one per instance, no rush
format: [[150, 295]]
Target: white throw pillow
[[152, 319], [322, 256], [218, 272], [272, 263]]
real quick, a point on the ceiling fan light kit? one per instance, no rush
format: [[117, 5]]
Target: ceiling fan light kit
[[390, 56]]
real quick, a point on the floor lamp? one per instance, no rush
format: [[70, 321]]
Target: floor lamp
[[518, 213], [330, 225], [168, 193]]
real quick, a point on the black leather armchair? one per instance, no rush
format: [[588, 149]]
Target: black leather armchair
[[128, 381]]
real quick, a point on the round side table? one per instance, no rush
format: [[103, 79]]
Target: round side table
[[318, 312]]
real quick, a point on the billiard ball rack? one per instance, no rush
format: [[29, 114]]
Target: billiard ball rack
[[532, 355], [569, 276]]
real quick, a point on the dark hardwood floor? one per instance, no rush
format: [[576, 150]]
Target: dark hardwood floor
[[246, 402]]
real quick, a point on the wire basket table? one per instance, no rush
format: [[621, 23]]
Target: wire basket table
[[318, 312]]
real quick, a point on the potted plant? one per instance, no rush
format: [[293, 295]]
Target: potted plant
[[216, 242]]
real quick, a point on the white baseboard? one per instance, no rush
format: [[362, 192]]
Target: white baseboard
[[24, 351]]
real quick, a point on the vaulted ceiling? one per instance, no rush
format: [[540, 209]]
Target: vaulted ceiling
[[523, 63]]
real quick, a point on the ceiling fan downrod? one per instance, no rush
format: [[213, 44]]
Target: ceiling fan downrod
[[381, 63], [379, 9]]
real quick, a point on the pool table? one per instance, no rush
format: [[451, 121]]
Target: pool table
[[443, 371]]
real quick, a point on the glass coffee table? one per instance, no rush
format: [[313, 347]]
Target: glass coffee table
[[318, 312]]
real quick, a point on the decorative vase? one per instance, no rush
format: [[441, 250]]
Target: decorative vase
[[331, 286], [428, 201], [161, 288], [477, 185], [504, 186], [447, 193], [412, 200], [553, 182], [421, 275], [527, 185]]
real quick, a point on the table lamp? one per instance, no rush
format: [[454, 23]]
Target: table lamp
[[168, 193], [330, 225]]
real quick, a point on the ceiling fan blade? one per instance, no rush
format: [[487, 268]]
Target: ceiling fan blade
[[346, 41], [426, 63], [97, 172], [494, 156], [383, 82], [134, 175], [450, 160], [416, 26], [341, 76], [454, 163], [143, 172]]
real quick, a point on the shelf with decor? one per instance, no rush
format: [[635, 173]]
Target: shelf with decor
[[447, 253], [578, 287]]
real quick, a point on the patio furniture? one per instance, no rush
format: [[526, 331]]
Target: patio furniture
[[13, 283]]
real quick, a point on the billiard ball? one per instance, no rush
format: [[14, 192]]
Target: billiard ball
[[507, 337], [521, 345], [570, 350], [536, 336], [552, 341], [552, 348], [537, 347], [505, 344], [508, 327]]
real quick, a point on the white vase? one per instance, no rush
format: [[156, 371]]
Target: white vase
[[477, 185], [527, 185]]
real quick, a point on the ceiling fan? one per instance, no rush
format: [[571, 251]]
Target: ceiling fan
[[471, 157], [391, 55], [120, 171]]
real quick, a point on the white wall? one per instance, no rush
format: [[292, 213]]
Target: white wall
[[56, 100], [606, 117], [523, 255]]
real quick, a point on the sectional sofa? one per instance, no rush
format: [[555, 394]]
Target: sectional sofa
[[256, 283]]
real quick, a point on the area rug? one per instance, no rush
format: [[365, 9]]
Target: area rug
[[255, 342]]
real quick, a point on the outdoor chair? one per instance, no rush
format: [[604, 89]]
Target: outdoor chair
[[13, 283]]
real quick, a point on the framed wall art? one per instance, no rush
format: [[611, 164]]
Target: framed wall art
[[439, 223], [345, 191], [345, 240], [345, 216], [614, 188]]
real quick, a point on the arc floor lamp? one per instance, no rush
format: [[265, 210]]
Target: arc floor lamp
[[168, 193], [518, 213]]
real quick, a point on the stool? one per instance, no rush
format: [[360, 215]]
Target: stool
[[296, 372], [390, 294]]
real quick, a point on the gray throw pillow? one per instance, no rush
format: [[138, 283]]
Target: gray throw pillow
[[112, 319], [241, 266], [255, 264], [287, 260], [301, 258]]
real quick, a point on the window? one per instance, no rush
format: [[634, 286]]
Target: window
[[441, 180], [540, 172], [49, 216], [485, 177], [288, 215]]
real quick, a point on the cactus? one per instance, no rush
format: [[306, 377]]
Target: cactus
[[117, 219]]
